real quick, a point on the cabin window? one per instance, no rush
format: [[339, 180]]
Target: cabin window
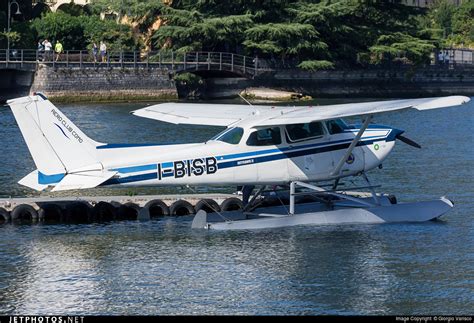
[[231, 136], [336, 126], [265, 137], [304, 131]]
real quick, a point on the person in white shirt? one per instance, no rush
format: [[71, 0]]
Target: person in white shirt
[[103, 51], [47, 49]]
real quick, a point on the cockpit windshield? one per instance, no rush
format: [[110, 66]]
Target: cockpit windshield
[[336, 126], [230, 135]]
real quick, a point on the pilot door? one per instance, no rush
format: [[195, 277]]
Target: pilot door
[[310, 158]]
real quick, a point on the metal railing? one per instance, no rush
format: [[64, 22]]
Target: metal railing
[[194, 61], [453, 57]]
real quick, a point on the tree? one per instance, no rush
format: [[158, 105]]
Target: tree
[[351, 27], [463, 24], [401, 47], [191, 30], [61, 26], [76, 33], [441, 15], [284, 39]]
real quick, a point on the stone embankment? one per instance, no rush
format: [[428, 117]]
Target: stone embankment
[[402, 82], [102, 84]]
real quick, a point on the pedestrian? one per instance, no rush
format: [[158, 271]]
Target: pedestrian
[[446, 58], [47, 49], [103, 51], [40, 49], [58, 48], [440, 58], [95, 51]]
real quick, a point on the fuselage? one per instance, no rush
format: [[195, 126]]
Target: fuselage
[[248, 155]]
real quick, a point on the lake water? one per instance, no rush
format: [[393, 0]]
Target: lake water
[[163, 267]]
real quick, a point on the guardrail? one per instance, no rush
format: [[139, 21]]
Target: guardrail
[[453, 56], [192, 61], [216, 61]]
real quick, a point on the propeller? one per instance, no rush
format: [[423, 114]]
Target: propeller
[[408, 141]]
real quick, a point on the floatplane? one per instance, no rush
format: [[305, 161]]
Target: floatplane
[[292, 147]]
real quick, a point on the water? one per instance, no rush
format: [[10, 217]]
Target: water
[[162, 267]]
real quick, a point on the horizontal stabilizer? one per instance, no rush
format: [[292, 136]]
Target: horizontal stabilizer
[[83, 180], [31, 181]]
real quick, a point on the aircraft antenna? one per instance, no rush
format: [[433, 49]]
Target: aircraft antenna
[[257, 110]]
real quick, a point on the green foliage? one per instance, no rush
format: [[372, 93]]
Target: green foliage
[[334, 31], [283, 38], [452, 26], [316, 65], [188, 79], [317, 34], [78, 32], [190, 30], [63, 27], [71, 9], [13, 35], [463, 24], [350, 27], [441, 15], [401, 47]]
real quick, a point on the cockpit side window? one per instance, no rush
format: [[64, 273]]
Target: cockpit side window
[[304, 131], [265, 137], [336, 126], [231, 136]]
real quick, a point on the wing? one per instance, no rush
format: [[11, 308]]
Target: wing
[[327, 112], [198, 113], [228, 114]]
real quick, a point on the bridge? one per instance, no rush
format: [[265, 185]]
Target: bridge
[[134, 74], [176, 62], [194, 62]]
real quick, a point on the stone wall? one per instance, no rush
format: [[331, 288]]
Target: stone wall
[[14, 83], [373, 83], [107, 84]]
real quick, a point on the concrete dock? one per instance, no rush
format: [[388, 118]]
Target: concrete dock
[[103, 208]]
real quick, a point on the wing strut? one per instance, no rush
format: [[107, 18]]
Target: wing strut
[[353, 144]]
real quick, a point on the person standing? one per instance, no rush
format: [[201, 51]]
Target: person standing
[[58, 48], [47, 49], [103, 51], [95, 51], [40, 49]]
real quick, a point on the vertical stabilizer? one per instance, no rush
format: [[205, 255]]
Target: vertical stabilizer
[[57, 146]]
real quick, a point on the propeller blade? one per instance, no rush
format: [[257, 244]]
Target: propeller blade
[[408, 141]]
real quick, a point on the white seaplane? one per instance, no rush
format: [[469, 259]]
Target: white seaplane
[[261, 145]]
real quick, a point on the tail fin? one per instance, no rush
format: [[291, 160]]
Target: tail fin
[[57, 146]]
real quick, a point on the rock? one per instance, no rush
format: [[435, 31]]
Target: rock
[[262, 93]]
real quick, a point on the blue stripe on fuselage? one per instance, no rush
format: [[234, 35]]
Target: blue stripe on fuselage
[[280, 154], [294, 153], [135, 169]]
